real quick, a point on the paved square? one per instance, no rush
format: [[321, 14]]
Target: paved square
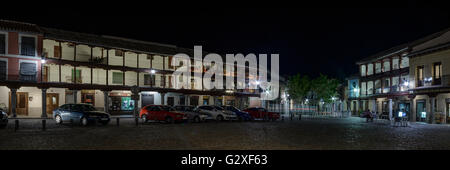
[[349, 133]]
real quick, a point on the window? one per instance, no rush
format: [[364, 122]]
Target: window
[[377, 86], [117, 78], [163, 80], [386, 66], [387, 84], [369, 69], [76, 77], [28, 71], [419, 76], [119, 52], [363, 88], [370, 87], [2, 44], [437, 73], [28, 46], [170, 62], [57, 51], [378, 67], [395, 83], [3, 70], [405, 62], [395, 64], [363, 70], [149, 79]]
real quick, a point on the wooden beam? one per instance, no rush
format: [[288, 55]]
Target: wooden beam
[[92, 68], [123, 66], [107, 64], [60, 58], [74, 78], [137, 72]]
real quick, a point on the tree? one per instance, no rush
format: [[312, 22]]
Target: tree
[[298, 87], [324, 89]]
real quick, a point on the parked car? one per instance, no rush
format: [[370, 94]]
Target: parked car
[[192, 114], [80, 113], [241, 115], [262, 113], [216, 113], [161, 113], [3, 118]]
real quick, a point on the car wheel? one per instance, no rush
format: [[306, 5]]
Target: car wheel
[[219, 118], [84, 121], [58, 119], [169, 119], [144, 118], [196, 119]]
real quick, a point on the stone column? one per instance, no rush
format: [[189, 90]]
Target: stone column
[[163, 102], [374, 106], [44, 103], [390, 109], [13, 101], [106, 101], [433, 103]]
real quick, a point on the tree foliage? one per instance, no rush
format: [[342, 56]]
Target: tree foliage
[[319, 89]]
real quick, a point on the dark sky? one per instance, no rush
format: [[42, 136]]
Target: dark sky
[[309, 41]]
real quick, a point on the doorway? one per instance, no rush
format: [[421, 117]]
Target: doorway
[[21, 104], [147, 99], [52, 102], [421, 114]]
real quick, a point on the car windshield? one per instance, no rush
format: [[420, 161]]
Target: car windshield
[[167, 108], [83, 107], [232, 108]]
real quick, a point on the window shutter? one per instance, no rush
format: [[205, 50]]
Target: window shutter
[[2, 70], [2, 44]]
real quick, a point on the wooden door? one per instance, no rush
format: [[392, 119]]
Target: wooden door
[[52, 102], [21, 104]]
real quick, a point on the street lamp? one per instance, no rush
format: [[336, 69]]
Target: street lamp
[[152, 71]]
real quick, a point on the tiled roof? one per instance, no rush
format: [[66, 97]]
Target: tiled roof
[[412, 46], [19, 26], [110, 42]]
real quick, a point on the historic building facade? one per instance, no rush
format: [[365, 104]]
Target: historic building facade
[[43, 68], [406, 80], [430, 79]]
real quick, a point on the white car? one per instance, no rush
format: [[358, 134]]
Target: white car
[[216, 113]]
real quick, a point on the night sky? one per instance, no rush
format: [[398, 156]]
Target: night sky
[[309, 41]]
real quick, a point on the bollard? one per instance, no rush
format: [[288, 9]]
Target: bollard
[[282, 118], [136, 121], [43, 124], [16, 125], [300, 117], [71, 122], [117, 121]]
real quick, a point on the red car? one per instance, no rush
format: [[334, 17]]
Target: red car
[[262, 113], [161, 113]]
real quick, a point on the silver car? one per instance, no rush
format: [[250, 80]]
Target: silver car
[[192, 114], [217, 113]]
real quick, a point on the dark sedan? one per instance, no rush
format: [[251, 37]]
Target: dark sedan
[[80, 113], [240, 114]]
